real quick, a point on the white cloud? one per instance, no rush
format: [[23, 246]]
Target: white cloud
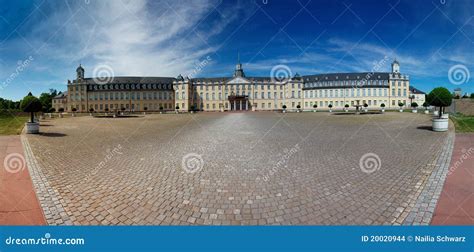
[[133, 37]]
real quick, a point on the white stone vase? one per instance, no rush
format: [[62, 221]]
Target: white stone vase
[[440, 124], [32, 128]]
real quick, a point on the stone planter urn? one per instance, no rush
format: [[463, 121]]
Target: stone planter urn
[[366, 110], [32, 128], [440, 124], [284, 111], [114, 115], [427, 111], [330, 111], [414, 111], [445, 116], [435, 113], [192, 112], [401, 110], [383, 110]]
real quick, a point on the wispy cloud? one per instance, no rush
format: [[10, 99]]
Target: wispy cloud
[[139, 37]]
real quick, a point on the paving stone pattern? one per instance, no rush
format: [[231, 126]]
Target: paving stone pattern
[[257, 168]]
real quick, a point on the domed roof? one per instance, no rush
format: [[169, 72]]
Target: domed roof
[[79, 68]]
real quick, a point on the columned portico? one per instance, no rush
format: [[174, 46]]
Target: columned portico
[[238, 102]]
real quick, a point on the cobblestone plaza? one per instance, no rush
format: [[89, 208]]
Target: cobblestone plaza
[[253, 168]]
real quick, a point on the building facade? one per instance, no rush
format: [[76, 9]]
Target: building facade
[[239, 92]]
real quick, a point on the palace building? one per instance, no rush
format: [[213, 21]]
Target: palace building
[[236, 93]]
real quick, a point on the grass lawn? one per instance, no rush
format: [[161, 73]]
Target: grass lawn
[[463, 123], [12, 123]]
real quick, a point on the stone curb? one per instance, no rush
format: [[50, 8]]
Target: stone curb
[[423, 210], [48, 197]]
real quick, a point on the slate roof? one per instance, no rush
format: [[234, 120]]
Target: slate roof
[[130, 79]]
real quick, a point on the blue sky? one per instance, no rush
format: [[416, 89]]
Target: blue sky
[[42, 42]]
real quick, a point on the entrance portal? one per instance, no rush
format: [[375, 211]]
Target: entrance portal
[[238, 102]]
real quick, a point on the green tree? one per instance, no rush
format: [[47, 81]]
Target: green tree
[[440, 97], [31, 104], [46, 99]]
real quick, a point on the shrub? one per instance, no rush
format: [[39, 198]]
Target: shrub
[[330, 106], [365, 105], [122, 108], [382, 105], [177, 107], [192, 108], [298, 106], [284, 107], [31, 105], [74, 109], [52, 110], [106, 109], [440, 97], [425, 104], [414, 105], [401, 104], [145, 108], [472, 95], [315, 106], [60, 110], [161, 107], [91, 110], [346, 106]]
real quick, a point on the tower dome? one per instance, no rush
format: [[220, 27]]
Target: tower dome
[[80, 72]]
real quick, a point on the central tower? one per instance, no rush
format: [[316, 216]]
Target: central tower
[[238, 72]]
